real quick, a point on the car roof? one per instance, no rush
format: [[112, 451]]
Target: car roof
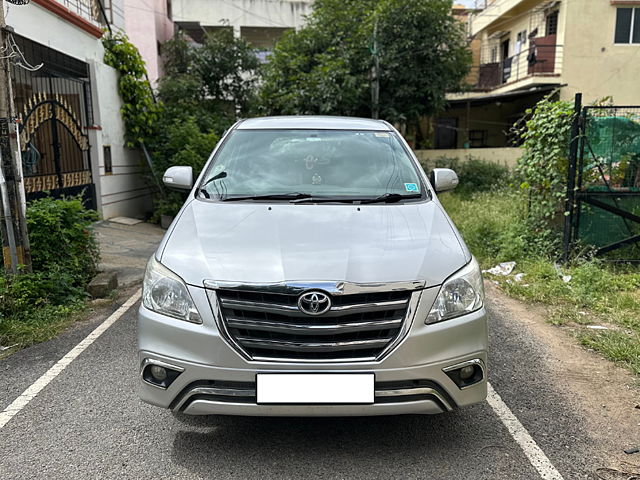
[[310, 122]]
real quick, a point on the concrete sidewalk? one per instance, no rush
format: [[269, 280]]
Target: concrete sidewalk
[[127, 248]]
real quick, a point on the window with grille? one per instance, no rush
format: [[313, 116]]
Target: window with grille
[[478, 138], [552, 23], [494, 55], [627, 25]]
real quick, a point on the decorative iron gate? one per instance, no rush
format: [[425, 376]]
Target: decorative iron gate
[[54, 108], [604, 211]]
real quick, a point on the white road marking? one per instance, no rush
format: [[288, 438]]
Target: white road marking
[[530, 448], [30, 393]]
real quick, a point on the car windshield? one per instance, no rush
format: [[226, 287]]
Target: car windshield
[[312, 164]]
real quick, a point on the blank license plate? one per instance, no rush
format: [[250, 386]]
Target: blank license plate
[[318, 388]]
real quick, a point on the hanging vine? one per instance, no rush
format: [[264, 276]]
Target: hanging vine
[[544, 164], [139, 112]]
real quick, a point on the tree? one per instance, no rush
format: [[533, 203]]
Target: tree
[[326, 67], [219, 75], [423, 55], [323, 68]]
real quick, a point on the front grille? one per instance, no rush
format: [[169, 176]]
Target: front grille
[[270, 326]]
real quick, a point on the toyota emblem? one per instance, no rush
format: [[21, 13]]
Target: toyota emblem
[[314, 303]]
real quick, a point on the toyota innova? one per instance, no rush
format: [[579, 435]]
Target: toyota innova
[[312, 271]]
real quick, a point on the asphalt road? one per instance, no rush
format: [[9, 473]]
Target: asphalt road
[[89, 423]]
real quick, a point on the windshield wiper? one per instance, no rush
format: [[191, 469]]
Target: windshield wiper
[[324, 199], [274, 196], [391, 198]]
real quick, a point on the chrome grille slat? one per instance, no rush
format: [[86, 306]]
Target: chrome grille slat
[[335, 311], [315, 346], [317, 329], [257, 306], [370, 307], [364, 323]]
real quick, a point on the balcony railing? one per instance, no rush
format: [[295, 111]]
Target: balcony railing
[[535, 61], [88, 9]]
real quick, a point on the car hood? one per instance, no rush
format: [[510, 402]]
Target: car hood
[[271, 243]]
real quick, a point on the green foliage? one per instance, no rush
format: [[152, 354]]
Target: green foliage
[[26, 328], [184, 144], [618, 346], [325, 67], [423, 55], [475, 174], [220, 75], [491, 224], [202, 90], [36, 306], [139, 110], [543, 168], [495, 227], [61, 232]]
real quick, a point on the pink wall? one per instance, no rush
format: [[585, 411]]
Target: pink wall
[[147, 24]]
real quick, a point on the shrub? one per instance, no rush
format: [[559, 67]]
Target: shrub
[[61, 233], [184, 144], [475, 174], [35, 307], [544, 165]]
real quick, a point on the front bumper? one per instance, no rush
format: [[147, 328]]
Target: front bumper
[[217, 380]]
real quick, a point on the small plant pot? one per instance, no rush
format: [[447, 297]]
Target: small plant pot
[[165, 221]]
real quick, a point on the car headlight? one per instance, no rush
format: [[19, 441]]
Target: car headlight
[[166, 293], [461, 293]]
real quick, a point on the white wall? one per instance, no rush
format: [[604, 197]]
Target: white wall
[[123, 191], [117, 14], [40, 25], [248, 13]]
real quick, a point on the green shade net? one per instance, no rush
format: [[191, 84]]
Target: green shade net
[[611, 164]]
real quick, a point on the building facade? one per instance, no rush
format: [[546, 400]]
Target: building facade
[[148, 24], [530, 48], [261, 22], [68, 106]]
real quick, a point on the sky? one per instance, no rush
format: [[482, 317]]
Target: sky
[[466, 3]]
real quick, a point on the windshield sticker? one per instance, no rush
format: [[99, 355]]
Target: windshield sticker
[[382, 135], [411, 187]]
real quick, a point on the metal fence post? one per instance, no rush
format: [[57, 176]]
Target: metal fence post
[[571, 178], [583, 132]]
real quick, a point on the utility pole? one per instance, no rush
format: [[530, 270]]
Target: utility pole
[[375, 86], [15, 239]]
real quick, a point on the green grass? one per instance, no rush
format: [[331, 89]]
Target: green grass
[[38, 325], [597, 294], [619, 346]]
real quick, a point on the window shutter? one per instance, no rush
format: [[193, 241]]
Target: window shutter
[[623, 25]]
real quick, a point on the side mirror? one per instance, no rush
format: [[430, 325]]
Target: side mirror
[[443, 179], [179, 177]]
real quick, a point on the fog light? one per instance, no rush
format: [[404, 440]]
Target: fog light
[[465, 373], [158, 373]]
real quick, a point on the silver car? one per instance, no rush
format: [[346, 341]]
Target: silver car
[[312, 271]]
